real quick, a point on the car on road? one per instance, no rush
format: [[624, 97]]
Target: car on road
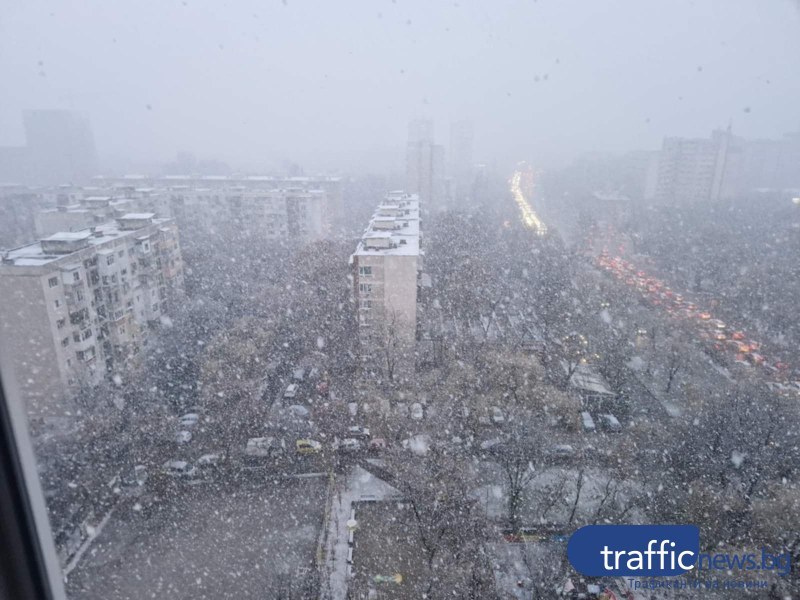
[[178, 468], [189, 420], [306, 446], [299, 374], [259, 450], [416, 411], [183, 437], [350, 445], [358, 432], [291, 390]]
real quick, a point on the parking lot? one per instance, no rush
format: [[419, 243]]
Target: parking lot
[[255, 539]]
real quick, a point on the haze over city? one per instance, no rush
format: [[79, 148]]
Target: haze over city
[[257, 83], [399, 299]]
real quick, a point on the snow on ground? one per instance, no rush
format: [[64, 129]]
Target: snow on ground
[[357, 485]]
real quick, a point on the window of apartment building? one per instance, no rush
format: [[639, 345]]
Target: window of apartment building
[[121, 253], [76, 276], [110, 259], [52, 282], [365, 288], [60, 323], [65, 342], [365, 271], [57, 303]]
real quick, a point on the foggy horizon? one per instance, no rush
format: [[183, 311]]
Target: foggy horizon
[[532, 76]]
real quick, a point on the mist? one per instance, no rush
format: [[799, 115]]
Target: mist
[[332, 86]]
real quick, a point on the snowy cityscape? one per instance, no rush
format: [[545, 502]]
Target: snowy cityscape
[[418, 371]]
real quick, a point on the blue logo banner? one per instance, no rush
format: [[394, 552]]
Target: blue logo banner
[[637, 550]]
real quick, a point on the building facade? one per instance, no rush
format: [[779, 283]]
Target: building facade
[[79, 305], [425, 166], [385, 271], [692, 171]]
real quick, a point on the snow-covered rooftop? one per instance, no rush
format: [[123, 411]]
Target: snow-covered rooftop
[[392, 235]]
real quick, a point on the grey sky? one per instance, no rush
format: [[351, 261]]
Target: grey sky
[[333, 83]]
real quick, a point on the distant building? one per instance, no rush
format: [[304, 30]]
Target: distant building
[[19, 205], [692, 171], [425, 166], [461, 160], [300, 208], [77, 305], [294, 214], [59, 148], [385, 271]]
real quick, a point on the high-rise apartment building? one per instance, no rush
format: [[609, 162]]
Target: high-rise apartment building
[[60, 146], [425, 166], [385, 270], [692, 171], [461, 160], [77, 305]]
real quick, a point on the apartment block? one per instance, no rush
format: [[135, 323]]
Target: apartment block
[[692, 171], [78, 305], [294, 213], [425, 166], [385, 270]]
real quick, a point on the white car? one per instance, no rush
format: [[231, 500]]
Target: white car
[[497, 415], [189, 420], [178, 468], [183, 437], [209, 461], [350, 445], [416, 411], [291, 391], [358, 432]]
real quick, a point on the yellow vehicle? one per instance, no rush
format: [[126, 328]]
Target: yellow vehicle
[[308, 446]]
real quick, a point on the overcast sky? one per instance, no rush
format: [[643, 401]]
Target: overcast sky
[[333, 83]]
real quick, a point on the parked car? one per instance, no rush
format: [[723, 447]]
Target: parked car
[[377, 445], [209, 462], [136, 476], [588, 422], [416, 411], [178, 468], [561, 451], [291, 390], [183, 437], [298, 410], [358, 432], [610, 422], [189, 420], [497, 415], [299, 374], [350, 445], [306, 446]]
